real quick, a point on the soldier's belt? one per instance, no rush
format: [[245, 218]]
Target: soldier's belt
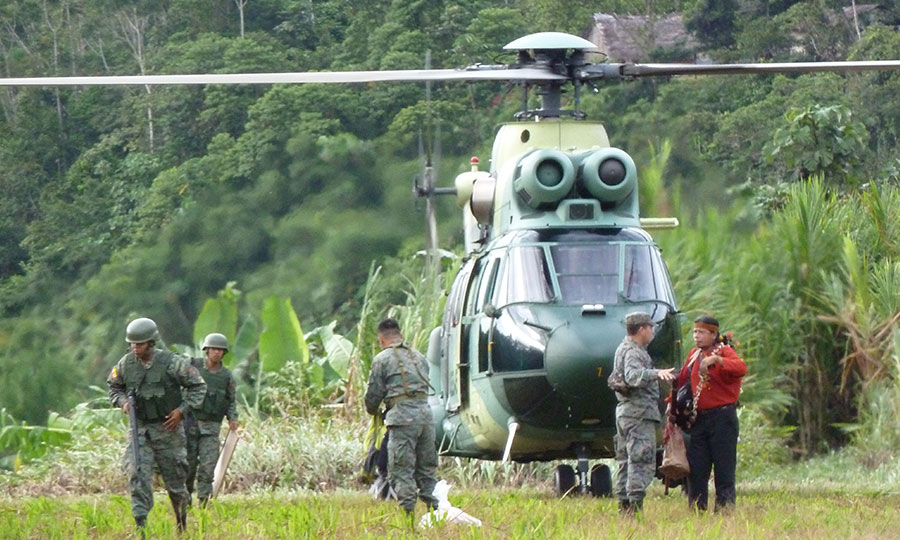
[[390, 402]]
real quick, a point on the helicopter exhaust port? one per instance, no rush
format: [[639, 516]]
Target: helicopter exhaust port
[[544, 177]]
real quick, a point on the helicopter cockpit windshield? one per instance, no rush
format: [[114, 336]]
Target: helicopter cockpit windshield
[[580, 267], [586, 273]]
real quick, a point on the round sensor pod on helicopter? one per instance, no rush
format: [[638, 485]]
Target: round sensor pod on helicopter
[[544, 176], [609, 174]]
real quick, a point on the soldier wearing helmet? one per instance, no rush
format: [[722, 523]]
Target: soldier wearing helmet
[[164, 386], [206, 420]]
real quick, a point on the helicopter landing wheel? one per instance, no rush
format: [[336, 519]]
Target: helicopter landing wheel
[[564, 480], [601, 481]]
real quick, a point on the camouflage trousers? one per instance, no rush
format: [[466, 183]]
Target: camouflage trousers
[[165, 449], [202, 455], [636, 457], [412, 464]]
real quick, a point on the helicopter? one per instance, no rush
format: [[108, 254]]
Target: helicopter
[[556, 255]]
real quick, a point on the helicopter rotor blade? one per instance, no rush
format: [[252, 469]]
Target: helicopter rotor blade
[[624, 71], [474, 73], [431, 237]]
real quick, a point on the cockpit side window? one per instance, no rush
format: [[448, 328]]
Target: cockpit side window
[[661, 277], [453, 309], [472, 306], [638, 283], [527, 276], [486, 287], [587, 273]]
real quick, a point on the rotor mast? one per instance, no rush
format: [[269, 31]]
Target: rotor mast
[[550, 51]]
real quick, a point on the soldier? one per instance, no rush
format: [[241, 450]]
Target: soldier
[[156, 378], [637, 413], [399, 378], [205, 423]]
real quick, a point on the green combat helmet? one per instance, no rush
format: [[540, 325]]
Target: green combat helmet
[[216, 341], [141, 330]]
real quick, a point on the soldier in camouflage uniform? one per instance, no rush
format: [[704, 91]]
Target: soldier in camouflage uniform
[[157, 378], [203, 426], [399, 378], [637, 413]]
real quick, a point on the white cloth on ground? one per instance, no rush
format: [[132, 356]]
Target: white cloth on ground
[[446, 512]]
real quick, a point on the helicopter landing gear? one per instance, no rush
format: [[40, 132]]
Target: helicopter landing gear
[[583, 465], [600, 477], [601, 481], [564, 480]]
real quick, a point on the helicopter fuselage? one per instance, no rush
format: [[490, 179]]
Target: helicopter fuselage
[[557, 258], [529, 335]]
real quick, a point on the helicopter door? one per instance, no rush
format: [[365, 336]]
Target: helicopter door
[[466, 334], [483, 324], [451, 346]]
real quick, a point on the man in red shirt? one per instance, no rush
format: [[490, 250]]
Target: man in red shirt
[[716, 372]]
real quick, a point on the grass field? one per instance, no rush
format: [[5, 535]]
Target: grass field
[[300, 479], [526, 514]]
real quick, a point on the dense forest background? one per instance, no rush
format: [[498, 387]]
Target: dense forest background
[[148, 201]]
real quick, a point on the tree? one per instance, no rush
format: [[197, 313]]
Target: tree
[[820, 140], [240, 5], [712, 22]]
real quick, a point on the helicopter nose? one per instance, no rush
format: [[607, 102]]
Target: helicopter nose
[[578, 357]]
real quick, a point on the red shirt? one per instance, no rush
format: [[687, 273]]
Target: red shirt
[[724, 383]]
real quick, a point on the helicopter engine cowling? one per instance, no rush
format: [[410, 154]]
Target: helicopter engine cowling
[[609, 174], [544, 176]]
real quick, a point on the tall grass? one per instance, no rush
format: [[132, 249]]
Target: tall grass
[[322, 451], [810, 294], [319, 451]]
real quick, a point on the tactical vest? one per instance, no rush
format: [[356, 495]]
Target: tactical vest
[[413, 383], [158, 393], [215, 404]]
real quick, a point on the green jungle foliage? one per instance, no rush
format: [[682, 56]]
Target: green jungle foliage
[[261, 209]]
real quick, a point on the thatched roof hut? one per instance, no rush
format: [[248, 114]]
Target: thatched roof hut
[[631, 38]]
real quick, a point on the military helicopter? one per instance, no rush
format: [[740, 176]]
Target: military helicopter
[[557, 255]]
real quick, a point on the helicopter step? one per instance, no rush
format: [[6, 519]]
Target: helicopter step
[[567, 482]]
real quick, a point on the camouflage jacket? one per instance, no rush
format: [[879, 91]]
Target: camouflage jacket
[[219, 400], [178, 369], [636, 367], [399, 378]]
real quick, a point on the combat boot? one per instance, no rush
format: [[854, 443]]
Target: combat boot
[[203, 501], [625, 507], [180, 508], [637, 507], [410, 518], [181, 521], [141, 526]]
